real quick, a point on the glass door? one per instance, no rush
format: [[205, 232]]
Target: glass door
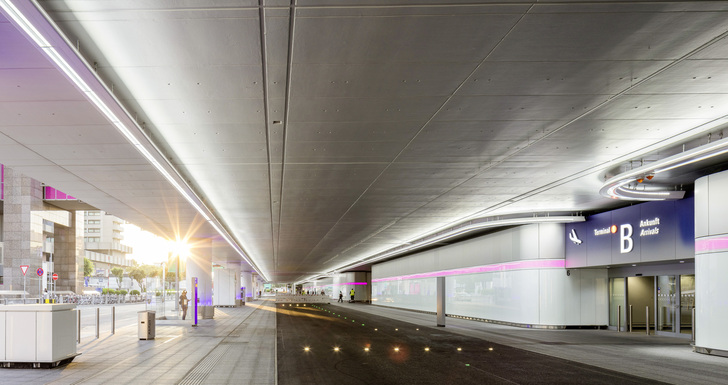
[[687, 302], [667, 303], [617, 301]]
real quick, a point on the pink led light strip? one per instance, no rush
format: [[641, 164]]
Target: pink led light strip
[[518, 265], [711, 245]]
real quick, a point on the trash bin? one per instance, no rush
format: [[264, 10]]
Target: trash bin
[[147, 324]]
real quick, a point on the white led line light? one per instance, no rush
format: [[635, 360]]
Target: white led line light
[[425, 241], [616, 187], [52, 53]]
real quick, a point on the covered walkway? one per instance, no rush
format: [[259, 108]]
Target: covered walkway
[[239, 347]]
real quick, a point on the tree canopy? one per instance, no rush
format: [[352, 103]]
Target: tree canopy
[[88, 267]]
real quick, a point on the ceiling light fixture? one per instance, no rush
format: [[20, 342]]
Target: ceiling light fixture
[[617, 187], [22, 20]]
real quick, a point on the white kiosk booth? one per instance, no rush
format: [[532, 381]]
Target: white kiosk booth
[[43, 335]]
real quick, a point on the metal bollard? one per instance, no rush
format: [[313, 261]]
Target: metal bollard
[[630, 318], [692, 325], [97, 323], [619, 319], [78, 336], [647, 319], [113, 320]]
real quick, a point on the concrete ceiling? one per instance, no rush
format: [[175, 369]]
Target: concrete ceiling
[[321, 132]]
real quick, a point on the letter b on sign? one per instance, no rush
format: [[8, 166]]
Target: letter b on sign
[[625, 239]]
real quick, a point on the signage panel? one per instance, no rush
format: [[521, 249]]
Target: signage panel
[[654, 231], [598, 239], [625, 244]]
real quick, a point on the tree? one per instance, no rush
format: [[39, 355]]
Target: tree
[[88, 267], [138, 274], [119, 274]]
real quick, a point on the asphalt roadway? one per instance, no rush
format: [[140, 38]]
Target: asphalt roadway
[[322, 344]]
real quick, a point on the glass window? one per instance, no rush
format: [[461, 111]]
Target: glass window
[[617, 299], [666, 302], [687, 302]]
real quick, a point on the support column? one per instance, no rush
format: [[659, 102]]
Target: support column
[[441, 301], [199, 264], [23, 243], [246, 281], [69, 253]]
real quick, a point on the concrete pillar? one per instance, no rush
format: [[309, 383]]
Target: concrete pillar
[[22, 242], [69, 253], [246, 281], [362, 287], [441, 301], [199, 265]]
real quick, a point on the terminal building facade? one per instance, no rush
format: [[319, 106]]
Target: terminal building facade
[[657, 265]]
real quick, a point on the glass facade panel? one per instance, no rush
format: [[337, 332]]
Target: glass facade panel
[[417, 294], [666, 302], [687, 302], [616, 299]]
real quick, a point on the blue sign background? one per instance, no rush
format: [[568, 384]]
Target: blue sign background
[[675, 240]]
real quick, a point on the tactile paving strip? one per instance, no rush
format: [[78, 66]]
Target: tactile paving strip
[[198, 374]]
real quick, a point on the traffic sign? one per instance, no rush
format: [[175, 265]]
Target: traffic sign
[[24, 268], [55, 276], [39, 271]]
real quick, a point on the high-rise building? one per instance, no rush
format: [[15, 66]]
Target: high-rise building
[[103, 235]]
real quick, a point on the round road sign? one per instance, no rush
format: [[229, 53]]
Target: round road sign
[[39, 271], [55, 276]]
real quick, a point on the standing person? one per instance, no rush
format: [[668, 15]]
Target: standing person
[[341, 296], [183, 301], [351, 293]]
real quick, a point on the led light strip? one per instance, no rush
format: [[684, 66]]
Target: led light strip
[[711, 245], [52, 53], [425, 241], [616, 187]]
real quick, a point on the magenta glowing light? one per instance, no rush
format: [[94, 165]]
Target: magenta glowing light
[[508, 266], [711, 245]]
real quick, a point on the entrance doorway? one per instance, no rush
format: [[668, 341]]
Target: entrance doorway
[[640, 300], [664, 303]]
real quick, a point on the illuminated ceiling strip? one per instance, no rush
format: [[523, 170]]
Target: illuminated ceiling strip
[[616, 187], [425, 241], [499, 267], [52, 53]]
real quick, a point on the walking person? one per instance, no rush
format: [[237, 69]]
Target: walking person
[[341, 296], [183, 302], [351, 293]]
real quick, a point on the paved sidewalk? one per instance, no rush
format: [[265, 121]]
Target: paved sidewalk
[[236, 347]]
